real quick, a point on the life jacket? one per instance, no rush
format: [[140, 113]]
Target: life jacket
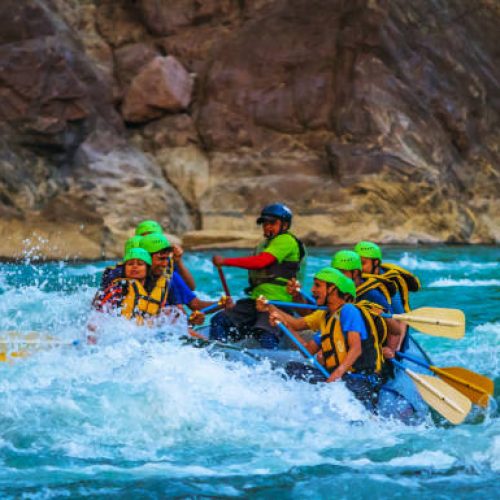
[[278, 273], [404, 280], [112, 273], [334, 340], [137, 303], [376, 282]]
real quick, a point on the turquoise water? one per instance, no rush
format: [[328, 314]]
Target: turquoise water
[[136, 418]]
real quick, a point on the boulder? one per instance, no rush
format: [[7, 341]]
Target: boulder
[[130, 59], [162, 85]]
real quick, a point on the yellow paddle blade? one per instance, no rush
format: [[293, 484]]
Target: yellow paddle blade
[[474, 393], [479, 382], [11, 356], [446, 400], [33, 339], [435, 321]]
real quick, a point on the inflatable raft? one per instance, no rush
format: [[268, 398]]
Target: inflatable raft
[[398, 398]]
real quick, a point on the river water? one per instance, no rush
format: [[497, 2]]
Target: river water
[[133, 417]]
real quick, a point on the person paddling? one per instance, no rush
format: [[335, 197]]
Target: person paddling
[[163, 276], [277, 259], [372, 289], [348, 339], [150, 226], [404, 281]]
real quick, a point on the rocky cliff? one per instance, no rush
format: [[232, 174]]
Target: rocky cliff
[[372, 119]]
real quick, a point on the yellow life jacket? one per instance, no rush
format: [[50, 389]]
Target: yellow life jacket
[[404, 280], [138, 303], [334, 341], [376, 282]]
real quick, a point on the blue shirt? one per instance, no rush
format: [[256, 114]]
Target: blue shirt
[[179, 292], [397, 304], [351, 320], [377, 297]]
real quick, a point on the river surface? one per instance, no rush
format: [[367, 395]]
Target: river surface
[[136, 418]]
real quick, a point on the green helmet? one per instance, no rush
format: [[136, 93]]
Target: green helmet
[[346, 260], [155, 242], [148, 226], [369, 250], [138, 253], [335, 277], [133, 242]]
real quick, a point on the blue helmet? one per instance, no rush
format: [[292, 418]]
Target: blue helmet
[[275, 211]]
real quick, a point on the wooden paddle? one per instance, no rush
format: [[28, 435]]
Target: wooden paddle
[[223, 281], [446, 400], [476, 387], [434, 321]]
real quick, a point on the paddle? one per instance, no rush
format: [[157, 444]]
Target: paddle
[[476, 387], [19, 340], [208, 309], [439, 322], [308, 297], [434, 321], [302, 349], [32, 338], [223, 281], [446, 400], [296, 305]]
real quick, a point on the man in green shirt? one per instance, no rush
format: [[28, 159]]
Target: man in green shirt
[[277, 259]]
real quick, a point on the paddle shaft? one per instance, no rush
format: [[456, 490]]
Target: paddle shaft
[[308, 297], [39, 342], [417, 319], [223, 281], [452, 329], [296, 305], [210, 308], [303, 350]]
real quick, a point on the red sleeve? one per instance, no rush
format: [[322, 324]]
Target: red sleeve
[[252, 263]]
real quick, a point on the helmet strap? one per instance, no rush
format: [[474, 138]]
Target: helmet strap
[[327, 295]]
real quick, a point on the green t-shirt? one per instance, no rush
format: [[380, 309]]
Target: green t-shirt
[[283, 247]]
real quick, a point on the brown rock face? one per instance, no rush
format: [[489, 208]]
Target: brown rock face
[[130, 59], [63, 159], [359, 111], [371, 119], [162, 85], [164, 17]]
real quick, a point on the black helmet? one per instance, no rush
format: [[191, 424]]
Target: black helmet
[[275, 211]]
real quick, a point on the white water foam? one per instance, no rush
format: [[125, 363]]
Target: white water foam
[[449, 282], [425, 459], [415, 263], [134, 399]]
